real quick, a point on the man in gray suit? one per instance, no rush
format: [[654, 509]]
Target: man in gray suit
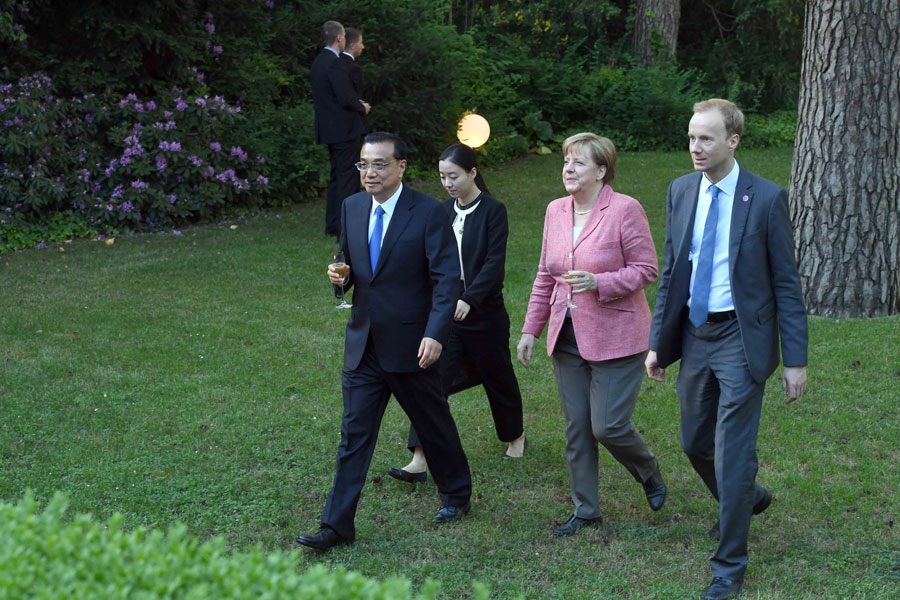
[[729, 290]]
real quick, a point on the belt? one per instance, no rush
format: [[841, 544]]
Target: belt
[[720, 317]]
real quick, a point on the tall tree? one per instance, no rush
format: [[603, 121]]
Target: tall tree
[[845, 183], [655, 28]]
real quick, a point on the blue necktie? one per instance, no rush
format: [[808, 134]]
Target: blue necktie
[[375, 241], [703, 279]]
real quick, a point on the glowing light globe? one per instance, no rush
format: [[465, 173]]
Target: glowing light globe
[[473, 131]]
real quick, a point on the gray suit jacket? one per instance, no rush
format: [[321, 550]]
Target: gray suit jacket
[[765, 285]]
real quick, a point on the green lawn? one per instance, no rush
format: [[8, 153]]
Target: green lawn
[[195, 378]]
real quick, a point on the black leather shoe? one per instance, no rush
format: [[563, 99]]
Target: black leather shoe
[[574, 523], [524, 448], [451, 513], [758, 508], [408, 477], [323, 540], [655, 489], [722, 588]]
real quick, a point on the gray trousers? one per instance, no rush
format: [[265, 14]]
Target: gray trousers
[[720, 409], [598, 399]]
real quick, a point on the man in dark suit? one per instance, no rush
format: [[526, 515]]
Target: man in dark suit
[[405, 272], [729, 290], [338, 121], [352, 49]]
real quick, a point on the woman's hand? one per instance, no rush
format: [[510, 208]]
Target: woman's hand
[[581, 281], [524, 348], [462, 310]]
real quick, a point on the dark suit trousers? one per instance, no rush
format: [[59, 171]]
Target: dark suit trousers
[[481, 343], [367, 390], [343, 180], [720, 410]]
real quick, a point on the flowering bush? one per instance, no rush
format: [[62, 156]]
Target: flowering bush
[[114, 164]]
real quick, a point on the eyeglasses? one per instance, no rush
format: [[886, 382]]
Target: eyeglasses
[[378, 166]]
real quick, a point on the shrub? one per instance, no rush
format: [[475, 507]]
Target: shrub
[[775, 129], [111, 165], [41, 556]]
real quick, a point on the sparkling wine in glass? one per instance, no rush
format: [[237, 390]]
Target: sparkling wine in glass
[[568, 276], [341, 268]]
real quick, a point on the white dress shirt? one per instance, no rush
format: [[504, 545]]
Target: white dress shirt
[[389, 205], [720, 288]]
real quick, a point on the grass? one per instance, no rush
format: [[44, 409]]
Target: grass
[[195, 378]]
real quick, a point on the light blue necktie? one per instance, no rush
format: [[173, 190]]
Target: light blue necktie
[[703, 279], [375, 241]]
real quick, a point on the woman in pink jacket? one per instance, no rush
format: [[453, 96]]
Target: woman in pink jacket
[[597, 257]]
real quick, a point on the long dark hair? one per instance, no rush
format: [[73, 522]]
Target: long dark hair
[[464, 157]]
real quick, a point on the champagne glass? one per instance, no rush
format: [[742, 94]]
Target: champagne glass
[[569, 276], [341, 268]]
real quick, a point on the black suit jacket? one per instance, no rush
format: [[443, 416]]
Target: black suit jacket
[[765, 285], [338, 112], [412, 293], [483, 252], [354, 73]]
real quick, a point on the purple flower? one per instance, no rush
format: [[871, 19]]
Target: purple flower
[[237, 151], [270, 4], [180, 104], [200, 102], [168, 113], [173, 198], [195, 160], [138, 184], [127, 206], [139, 107], [210, 28], [262, 180], [215, 146], [217, 49], [89, 118], [151, 105], [176, 232], [161, 163]]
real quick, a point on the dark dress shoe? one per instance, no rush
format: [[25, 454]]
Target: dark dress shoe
[[451, 513], [655, 489], [722, 588], [574, 523], [759, 507], [323, 540], [408, 477], [524, 448]]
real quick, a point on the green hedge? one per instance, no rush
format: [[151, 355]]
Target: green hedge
[[44, 556]]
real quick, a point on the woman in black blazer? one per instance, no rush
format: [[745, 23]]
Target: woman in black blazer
[[478, 348]]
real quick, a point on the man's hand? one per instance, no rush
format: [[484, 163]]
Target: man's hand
[[524, 348], [462, 310], [365, 106], [429, 352], [793, 382], [654, 371], [335, 278]]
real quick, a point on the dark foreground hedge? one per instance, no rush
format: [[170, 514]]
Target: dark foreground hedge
[[43, 556]]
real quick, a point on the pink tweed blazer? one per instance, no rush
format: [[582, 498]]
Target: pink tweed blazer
[[616, 246]]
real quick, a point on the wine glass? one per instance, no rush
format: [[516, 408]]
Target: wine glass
[[568, 276], [341, 268]]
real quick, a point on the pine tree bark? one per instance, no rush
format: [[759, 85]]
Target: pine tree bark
[[655, 21], [845, 181]]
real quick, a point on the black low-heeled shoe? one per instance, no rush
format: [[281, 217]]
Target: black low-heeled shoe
[[575, 523], [524, 448], [408, 477], [655, 490]]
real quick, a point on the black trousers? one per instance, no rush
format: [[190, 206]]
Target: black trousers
[[342, 182], [478, 352], [366, 391]]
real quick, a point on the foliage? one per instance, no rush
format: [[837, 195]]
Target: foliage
[[774, 129], [42, 556], [122, 165]]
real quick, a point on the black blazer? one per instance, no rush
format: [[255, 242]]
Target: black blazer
[[412, 293], [483, 252], [354, 73], [338, 112]]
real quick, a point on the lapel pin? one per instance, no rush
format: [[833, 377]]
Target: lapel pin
[[746, 198]]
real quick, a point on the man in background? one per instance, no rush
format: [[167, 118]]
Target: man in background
[[353, 48], [338, 121]]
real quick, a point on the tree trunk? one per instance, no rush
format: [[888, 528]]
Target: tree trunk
[[845, 182], [656, 26]]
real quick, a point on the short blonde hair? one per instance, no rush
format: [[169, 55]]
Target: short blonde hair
[[599, 149], [731, 114]]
